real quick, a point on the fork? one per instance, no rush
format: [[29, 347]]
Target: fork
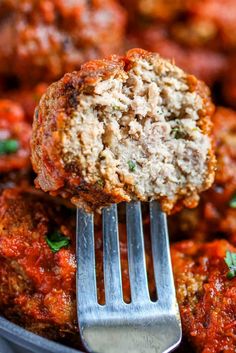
[[143, 325]]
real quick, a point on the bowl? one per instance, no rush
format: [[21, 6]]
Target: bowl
[[30, 341]]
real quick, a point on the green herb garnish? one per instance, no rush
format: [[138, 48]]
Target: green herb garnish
[[230, 260], [178, 133], [132, 166], [8, 146], [232, 202], [100, 183], [56, 241]]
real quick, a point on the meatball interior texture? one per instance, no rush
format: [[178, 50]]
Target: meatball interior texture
[[206, 64], [15, 135], [215, 216], [37, 285], [133, 127], [207, 299], [52, 37]]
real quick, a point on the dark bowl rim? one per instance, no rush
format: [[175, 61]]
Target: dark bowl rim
[[30, 340]]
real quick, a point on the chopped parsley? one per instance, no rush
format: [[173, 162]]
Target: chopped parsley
[[178, 133], [8, 146], [56, 241], [100, 183], [115, 107], [230, 260], [232, 202], [132, 166]]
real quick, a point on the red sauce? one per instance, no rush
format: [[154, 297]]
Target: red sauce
[[207, 299], [13, 126]]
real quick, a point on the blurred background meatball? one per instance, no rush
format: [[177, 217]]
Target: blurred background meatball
[[41, 40], [165, 10], [191, 22], [14, 137], [27, 98]]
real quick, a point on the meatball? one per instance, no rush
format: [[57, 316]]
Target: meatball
[[166, 10], [15, 135], [28, 98], [216, 213], [132, 127], [206, 297], [41, 40], [194, 23], [38, 270], [208, 23]]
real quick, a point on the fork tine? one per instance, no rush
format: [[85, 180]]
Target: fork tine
[[111, 256], [136, 253], [85, 259], [161, 256]]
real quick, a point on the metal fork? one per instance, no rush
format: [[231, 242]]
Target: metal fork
[[143, 326]]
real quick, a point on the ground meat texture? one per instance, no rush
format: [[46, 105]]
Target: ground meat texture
[[37, 285], [206, 64], [215, 216], [207, 298], [133, 127], [41, 40], [15, 135]]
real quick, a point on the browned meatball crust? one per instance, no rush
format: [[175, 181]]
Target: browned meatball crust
[[132, 127], [41, 40]]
